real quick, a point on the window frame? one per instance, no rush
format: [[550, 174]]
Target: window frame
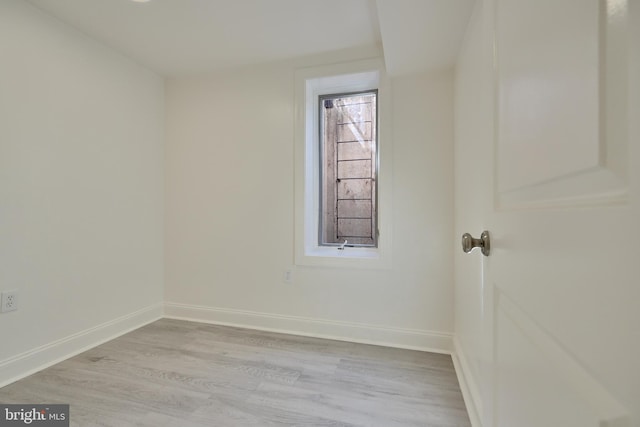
[[310, 83]]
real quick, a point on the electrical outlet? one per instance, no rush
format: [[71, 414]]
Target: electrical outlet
[[9, 301], [287, 277]]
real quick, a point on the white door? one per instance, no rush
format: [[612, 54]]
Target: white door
[[558, 340]]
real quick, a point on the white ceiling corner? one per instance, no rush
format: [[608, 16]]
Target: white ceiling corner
[[421, 35]]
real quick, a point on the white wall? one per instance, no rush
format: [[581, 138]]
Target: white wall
[[229, 212], [81, 189]]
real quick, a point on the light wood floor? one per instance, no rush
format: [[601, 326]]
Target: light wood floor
[[183, 374]]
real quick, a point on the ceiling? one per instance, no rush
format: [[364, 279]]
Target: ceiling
[[184, 37]]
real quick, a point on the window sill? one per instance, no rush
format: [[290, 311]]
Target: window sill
[[322, 256]]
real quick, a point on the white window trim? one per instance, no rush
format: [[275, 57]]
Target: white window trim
[[309, 84]]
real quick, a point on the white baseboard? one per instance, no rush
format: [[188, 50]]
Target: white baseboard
[[468, 385], [32, 361], [436, 342]]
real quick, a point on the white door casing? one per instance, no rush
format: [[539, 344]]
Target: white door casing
[[557, 300]]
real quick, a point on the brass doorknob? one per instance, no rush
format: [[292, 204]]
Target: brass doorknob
[[469, 242]]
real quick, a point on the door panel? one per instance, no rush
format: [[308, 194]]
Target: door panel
[[561, 268], [548, 90], [561, 102], [539, 383], [558, 296]]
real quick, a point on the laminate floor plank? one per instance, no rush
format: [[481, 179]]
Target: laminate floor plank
[[186, 374]]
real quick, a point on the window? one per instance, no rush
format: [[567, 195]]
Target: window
[[348, 170], [343, 166]]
